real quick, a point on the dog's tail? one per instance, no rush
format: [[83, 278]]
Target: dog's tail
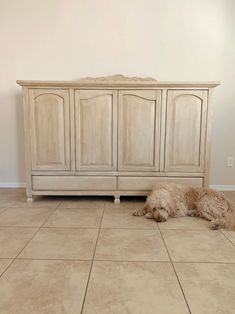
[[230, 217]]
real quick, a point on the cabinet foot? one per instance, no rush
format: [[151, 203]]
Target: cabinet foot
[[30, 199], [117, 200]]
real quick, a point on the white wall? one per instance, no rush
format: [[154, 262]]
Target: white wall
[[69, 39]]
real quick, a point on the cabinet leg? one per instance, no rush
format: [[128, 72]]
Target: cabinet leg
[[116, 199], [30, 199]]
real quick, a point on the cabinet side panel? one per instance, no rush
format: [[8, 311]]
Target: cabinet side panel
[[27, 142], [208, 138]]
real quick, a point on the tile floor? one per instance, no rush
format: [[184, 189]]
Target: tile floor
[[87, 255]]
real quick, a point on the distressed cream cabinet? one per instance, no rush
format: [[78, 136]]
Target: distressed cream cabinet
[[115, 135]]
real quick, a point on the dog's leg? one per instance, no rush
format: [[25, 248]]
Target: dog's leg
[[206, 216], [215, 224], [192, 213], [140, 212]]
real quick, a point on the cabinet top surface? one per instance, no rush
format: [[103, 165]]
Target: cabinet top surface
[[116, 81]]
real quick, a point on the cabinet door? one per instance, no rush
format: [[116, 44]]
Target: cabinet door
[[185, 130], [96, 130], [49, 129], [139, 130]]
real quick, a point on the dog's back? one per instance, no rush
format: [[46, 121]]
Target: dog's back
[[180, 193]]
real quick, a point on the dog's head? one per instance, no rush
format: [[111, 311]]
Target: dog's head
[[159, 205]]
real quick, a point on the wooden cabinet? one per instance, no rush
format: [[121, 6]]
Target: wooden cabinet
[[139, 130], [115, 135], [49, 129], [186, 130]]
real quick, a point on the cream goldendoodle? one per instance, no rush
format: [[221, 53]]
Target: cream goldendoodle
[[177, 200]]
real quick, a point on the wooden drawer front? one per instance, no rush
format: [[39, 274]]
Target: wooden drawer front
[[146, 183], [66, 183]]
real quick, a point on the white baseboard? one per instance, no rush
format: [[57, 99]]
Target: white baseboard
[[23, 185], [223, 187], [12, 184]]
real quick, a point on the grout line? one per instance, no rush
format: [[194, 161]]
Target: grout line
[[3, 210], [129, 228], [88, 279], [7, 207], [173, 266], [20, 227], [65, 227], [53, 259], [79, 208], [115, 261], [226, 237], [111, 228], [90, 260], [195, 262], [20, 252], [182, 229], [38, 229], [52, 212]]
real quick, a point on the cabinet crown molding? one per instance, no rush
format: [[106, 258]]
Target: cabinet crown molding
[[117, 77], [117, 81]]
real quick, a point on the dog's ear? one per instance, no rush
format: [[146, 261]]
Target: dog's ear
[[167, 204]]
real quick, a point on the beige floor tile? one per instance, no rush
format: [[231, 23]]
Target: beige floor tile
[[123, 218], [45, 202], [12, 240], [126, 203], [43, 287], [12, 191], [185, 223], [230, 235], [60, 243], [209, 288], [229, 194], [75, 217], [26, 217], [130, 245], [83, 202], [10, 197], [198, 246], [2, 209], [133, 288], [6, 203], [3, 264]]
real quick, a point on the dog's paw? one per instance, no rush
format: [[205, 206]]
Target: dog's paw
[[215, 225], [191, 213], [138, 212]]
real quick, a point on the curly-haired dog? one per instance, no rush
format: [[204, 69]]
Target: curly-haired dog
[[177, 200]]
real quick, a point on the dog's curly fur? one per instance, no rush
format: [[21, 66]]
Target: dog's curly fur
[[177, 200]]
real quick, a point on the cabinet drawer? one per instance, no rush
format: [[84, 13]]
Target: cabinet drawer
[[147, 183], [74, 183]]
